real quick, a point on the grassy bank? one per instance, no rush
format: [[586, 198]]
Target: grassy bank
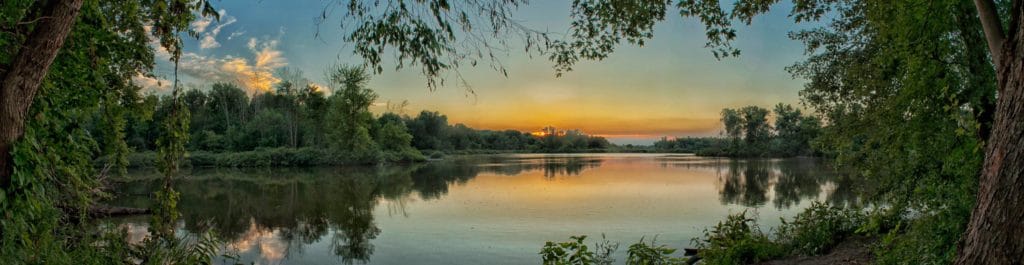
[[278, 157]]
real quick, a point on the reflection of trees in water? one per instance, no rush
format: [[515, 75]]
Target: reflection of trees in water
[[302, 205], [845, 191], [432, 181], [305, 205], [747, 182], [553, 166], [352, 212], [299, 207], [746, 185]]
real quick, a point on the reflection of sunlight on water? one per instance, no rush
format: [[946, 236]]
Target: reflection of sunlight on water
[[271, 248]]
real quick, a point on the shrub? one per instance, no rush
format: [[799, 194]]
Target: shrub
[[818, 228], [642, 253], [575, 252], [737, 240]]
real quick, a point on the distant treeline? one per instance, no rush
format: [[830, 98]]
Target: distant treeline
[[335, 129], [688, 144], [430, 131], [748, 133], [230, 128]]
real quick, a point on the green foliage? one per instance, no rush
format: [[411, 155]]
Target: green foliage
[[818, 228], [814, 231], [440, 35], [688, 144], [292, 126], [575, 252], [642, 253], [430, 131], [88, 87], [908, 91], [348, 117], [750, 135], [736, 240], [572, 252]]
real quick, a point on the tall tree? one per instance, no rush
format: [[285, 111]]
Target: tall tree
[[348, 115], [22, 76], [995, 234]]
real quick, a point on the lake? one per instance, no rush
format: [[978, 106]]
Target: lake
[[493, 209]]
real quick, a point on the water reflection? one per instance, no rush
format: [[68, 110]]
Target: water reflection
[[747, 183], [270, 215]]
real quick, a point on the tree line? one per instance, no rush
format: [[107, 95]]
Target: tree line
[[298, 114], [749, 133]]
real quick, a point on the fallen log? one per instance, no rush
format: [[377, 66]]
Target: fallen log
[[112, 211]]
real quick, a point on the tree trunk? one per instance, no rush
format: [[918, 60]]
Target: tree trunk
[[995, 234], [26, 73]]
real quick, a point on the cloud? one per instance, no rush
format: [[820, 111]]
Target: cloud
[[252, 43], [201, 24], [236, 34], [151, 84], [253, 74], [208, 42], [208, 39]]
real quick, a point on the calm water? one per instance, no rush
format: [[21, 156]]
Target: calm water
[[480, 209]]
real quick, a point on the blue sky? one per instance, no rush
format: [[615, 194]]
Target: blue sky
[[672, 86]]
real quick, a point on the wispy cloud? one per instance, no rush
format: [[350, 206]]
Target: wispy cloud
[[201, 24], [235, 34], [208, 39]]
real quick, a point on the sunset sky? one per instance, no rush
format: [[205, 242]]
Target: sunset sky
[[673, 86]]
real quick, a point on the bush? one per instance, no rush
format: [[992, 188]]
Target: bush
[[642, 253], [818, 228], [575, 252], [737, 240]]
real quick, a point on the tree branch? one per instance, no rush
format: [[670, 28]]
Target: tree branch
[[993, 28]]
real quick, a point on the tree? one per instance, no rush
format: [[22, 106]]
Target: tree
[[756, 131], [313, 115], [227, 104], [24, 72], [733, 130], [793, 131], [995, 234], [61, 60], [348, 117], [429, 130], [391, 133]]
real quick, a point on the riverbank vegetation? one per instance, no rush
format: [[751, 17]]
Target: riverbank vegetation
[[736, 240], [748, 133]]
